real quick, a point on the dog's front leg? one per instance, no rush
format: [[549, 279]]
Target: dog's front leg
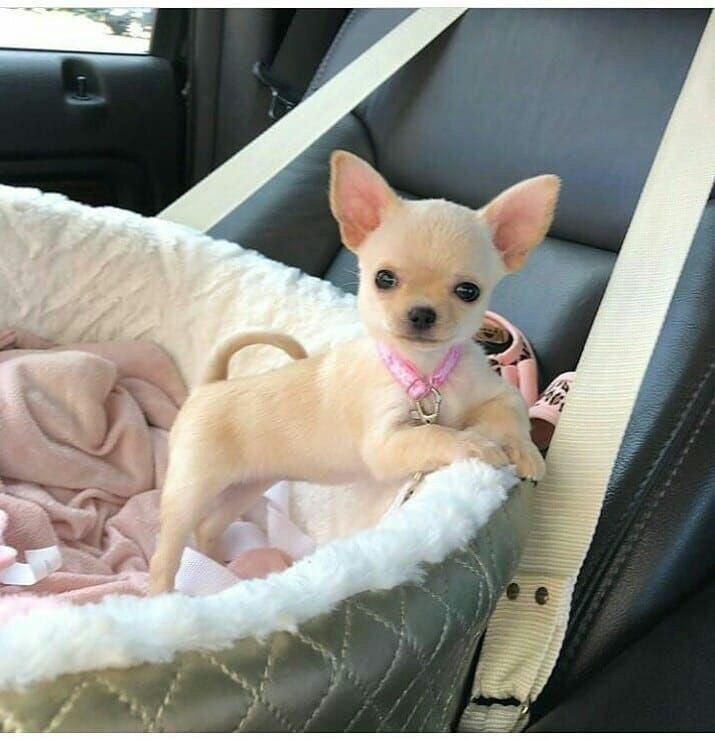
[[504, 420], [396, 453]]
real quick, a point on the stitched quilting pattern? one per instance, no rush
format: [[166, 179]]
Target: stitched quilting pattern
[[393, 660]]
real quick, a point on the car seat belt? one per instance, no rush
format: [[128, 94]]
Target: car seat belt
[[526, 631], [309, 35], [223, 190]]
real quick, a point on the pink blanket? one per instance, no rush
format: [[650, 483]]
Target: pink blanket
[[83, 450]]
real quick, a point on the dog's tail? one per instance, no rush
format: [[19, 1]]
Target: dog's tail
[[217, 367]]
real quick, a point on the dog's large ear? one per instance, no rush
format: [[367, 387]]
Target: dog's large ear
[[359, 197], [520, 217]]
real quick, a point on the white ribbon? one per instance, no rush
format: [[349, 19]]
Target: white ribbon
[[41, 562], [200, 575]]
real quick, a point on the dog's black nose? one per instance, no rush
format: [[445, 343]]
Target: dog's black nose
[[422, 317]]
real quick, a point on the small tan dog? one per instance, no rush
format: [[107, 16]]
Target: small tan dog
[[427, 271]]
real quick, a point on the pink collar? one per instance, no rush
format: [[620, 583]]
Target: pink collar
[[411, 380]]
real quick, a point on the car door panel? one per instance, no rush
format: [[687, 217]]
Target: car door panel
[[102, 128]]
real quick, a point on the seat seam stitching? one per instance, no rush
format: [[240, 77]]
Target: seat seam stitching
[[628, 543]]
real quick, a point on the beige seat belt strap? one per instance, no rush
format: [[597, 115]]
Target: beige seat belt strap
[[525, 634], [240, 177]]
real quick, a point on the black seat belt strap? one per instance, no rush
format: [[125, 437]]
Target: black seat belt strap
[[307, 39]]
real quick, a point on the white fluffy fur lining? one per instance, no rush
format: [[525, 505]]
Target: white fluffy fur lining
[[74, 273], [452, 504]]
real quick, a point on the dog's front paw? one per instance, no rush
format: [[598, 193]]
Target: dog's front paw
[[526, 457], [473, 445]]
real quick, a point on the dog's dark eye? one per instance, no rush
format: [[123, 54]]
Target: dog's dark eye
[[467, 292], [385, 279]]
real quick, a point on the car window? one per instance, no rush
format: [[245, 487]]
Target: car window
[[118, 30]]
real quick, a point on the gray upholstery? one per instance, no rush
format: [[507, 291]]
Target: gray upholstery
[[553, 301], [289, 218], [227, 105], [506, 94]]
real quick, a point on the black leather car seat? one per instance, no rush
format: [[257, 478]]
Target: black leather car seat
[[586, 94]]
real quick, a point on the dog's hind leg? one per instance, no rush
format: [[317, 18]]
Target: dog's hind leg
[[231, 505], [191, 487]]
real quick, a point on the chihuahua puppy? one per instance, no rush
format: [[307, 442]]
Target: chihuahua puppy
[[427, 270]]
